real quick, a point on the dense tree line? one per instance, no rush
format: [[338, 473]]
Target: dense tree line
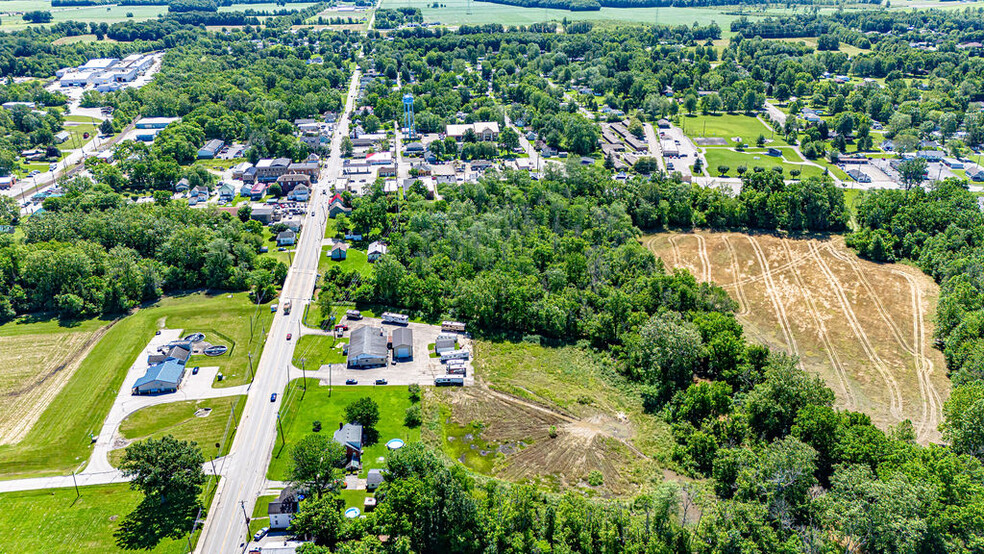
[[92, 252]]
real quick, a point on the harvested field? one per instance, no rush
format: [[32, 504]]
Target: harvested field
[[36, 367], [861, 326]]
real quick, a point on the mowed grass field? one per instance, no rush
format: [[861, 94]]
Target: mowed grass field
[[300, 410], [60, 439], [355, 260], [318, 350], [53, 521], [718, 156], [458, 12], [186, 421], [729, 127], [865, 328], [595, 413]]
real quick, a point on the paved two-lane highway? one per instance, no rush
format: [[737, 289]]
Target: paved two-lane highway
[[246, 465]]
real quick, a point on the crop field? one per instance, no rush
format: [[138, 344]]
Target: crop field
[[503, 427], [458, 12], [865, 328], [39, 358], [96, 14]]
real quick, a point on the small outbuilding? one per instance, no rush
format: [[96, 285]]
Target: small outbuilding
[[403, 344], [339, 251], [374, 478]]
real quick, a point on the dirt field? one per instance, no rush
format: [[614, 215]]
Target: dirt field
[[865, 328], [502, 426], [36, 367]]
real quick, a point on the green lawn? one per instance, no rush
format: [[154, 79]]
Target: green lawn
[[179, 420], [53, 521], [270, 241], [260, 517], [77, 139], [330, 229], [302, 409], [318, 350], [723, 156], [219, 164], [355, 260], [729, 126], [81, 407]]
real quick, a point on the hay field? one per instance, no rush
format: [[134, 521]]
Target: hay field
[[865, 328], [39, 359]]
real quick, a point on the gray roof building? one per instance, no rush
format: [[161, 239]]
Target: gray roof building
[[367, 347], [374, 479], [402, 343]]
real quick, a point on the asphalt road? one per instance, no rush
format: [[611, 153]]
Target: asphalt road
[[245, 467]]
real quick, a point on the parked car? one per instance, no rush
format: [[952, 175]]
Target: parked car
[[194, 371], [288, 336], [351, 382], [381, 381], [273, 397], [260, 534]]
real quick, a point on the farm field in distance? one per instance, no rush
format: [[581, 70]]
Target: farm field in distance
[[865, 328], [456, 12]]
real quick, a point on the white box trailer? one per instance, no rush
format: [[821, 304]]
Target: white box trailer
[[457, 370], [453, 326], [454, 355], [396, 319], [449, 382], [353, 314]]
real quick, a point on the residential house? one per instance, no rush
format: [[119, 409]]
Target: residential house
[[367, 348], [349, 435], [339, 251], [376, 251], [257, 192], [245, 190], [443, 173], [402, 342], [975, 174], [226, 193], [62, 136], [282, 510], [337, 207], [386, 171], [301, 193], [182, 185], [286, 237]]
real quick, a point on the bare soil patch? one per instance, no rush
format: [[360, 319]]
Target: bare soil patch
[[861, 326]]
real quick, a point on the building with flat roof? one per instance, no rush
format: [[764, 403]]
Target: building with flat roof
[[155, 122], [210, 150]]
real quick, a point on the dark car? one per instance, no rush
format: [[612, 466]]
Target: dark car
[[194, 371], [351, 382], [380, 381], [273, 397]]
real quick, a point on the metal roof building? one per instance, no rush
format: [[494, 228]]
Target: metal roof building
[[163, 377], [367, 348]]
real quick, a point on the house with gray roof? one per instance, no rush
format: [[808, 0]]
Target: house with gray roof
[[349, 435], [367, 348], [282, 510], [374, 479]]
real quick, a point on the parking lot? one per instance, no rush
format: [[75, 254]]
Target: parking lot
[[422, 369]]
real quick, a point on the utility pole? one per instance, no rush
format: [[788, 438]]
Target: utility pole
[[77, 493], [283, 441], [242, 504], [250, 367], [303, 374]]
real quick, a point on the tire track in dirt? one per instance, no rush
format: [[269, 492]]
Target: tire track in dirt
[[932, 401], [743, 309], [773, 294], [781, 267], [828, 346], [705, 261], [930, 397], [850, 316], [676, 251]]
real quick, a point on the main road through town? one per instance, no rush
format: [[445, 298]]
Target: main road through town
[[244, 474]]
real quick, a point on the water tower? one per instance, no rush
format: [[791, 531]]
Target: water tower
[[408, 121]]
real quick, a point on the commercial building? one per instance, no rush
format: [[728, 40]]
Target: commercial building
[[160, 378], [484, 130], [402, 344], [210, 150], [367, 348]]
